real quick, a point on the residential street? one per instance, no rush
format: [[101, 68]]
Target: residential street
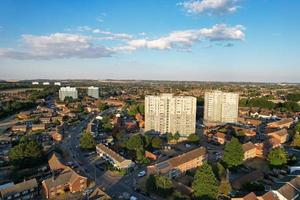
[[114, 185]]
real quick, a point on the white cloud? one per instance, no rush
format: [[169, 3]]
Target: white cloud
[[64, 45], [185, 39], [113, 36], [210, 6], [57, 45]]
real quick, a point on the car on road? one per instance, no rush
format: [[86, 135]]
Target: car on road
[[142, 173]]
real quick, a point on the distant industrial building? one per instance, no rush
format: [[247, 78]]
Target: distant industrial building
[[170, 114], [93, 92], [57, 83], [46, 83], [67, 92], [221, 107], [35, 83]]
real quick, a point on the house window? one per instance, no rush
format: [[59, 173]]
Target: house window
[[16, 195]]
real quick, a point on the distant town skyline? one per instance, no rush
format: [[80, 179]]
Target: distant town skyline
[[190, 40]]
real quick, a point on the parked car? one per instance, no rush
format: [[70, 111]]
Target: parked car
[[142, 173]]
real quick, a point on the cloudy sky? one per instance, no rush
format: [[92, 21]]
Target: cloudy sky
[[210, 40]]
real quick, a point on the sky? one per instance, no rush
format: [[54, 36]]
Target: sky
[[199, 40]]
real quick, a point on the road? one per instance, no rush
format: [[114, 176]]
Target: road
[[114, 185]]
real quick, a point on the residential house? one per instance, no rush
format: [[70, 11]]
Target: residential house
[[286, 191], [20, 191], [283, 123], [178, 165], [250, 121], [23, 115], [219, 137], [114, 158], [150, 155], [99, 194], [19, 128], [38, 127], [64, 179], [56, 136], [45, 120], [249, 150], [281, 135]]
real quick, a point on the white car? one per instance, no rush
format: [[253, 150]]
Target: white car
[[133, 198], [141, 174]]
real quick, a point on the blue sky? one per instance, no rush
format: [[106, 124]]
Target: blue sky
[[202, 40]]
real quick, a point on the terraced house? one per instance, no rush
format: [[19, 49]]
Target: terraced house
[[115, 159], [178, 165]]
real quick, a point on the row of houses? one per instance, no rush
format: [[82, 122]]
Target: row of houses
[[178, 165], [114, 158], [23, 190], [289, 190]]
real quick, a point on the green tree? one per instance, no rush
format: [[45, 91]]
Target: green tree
[[102, 107], [164, 186], [176, 136], [27, 153], [147, 140], [87, 142], [277, 157], [233, 153], [156, 142], [135, 142], [219, 170], [296, 140], [297, 127], [224, 187], [170, 137], [179, 196], [193, 138], [151, 183], [205, 184]]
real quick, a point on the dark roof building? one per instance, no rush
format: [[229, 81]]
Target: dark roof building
[[24, 190]]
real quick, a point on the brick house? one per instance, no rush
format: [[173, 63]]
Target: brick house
[[45, 120], [56, 136], [220, 137], [281, 135], [24, 190], [19, 128], [150, 155], [64, 179], [283, 123], [38, 127], [249, 150], [178, 165], [115, 159]]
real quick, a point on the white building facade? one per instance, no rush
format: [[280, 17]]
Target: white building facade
[[93, 92], [170, 114], [68, 92], [221, 107]]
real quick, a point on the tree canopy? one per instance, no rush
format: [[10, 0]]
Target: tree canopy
[[205, 184], [156, 142], [193, 138], [136, 108], [233, 153], [87, 142], [135, 142], [277, 157], [27, 153], [296, 140]]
